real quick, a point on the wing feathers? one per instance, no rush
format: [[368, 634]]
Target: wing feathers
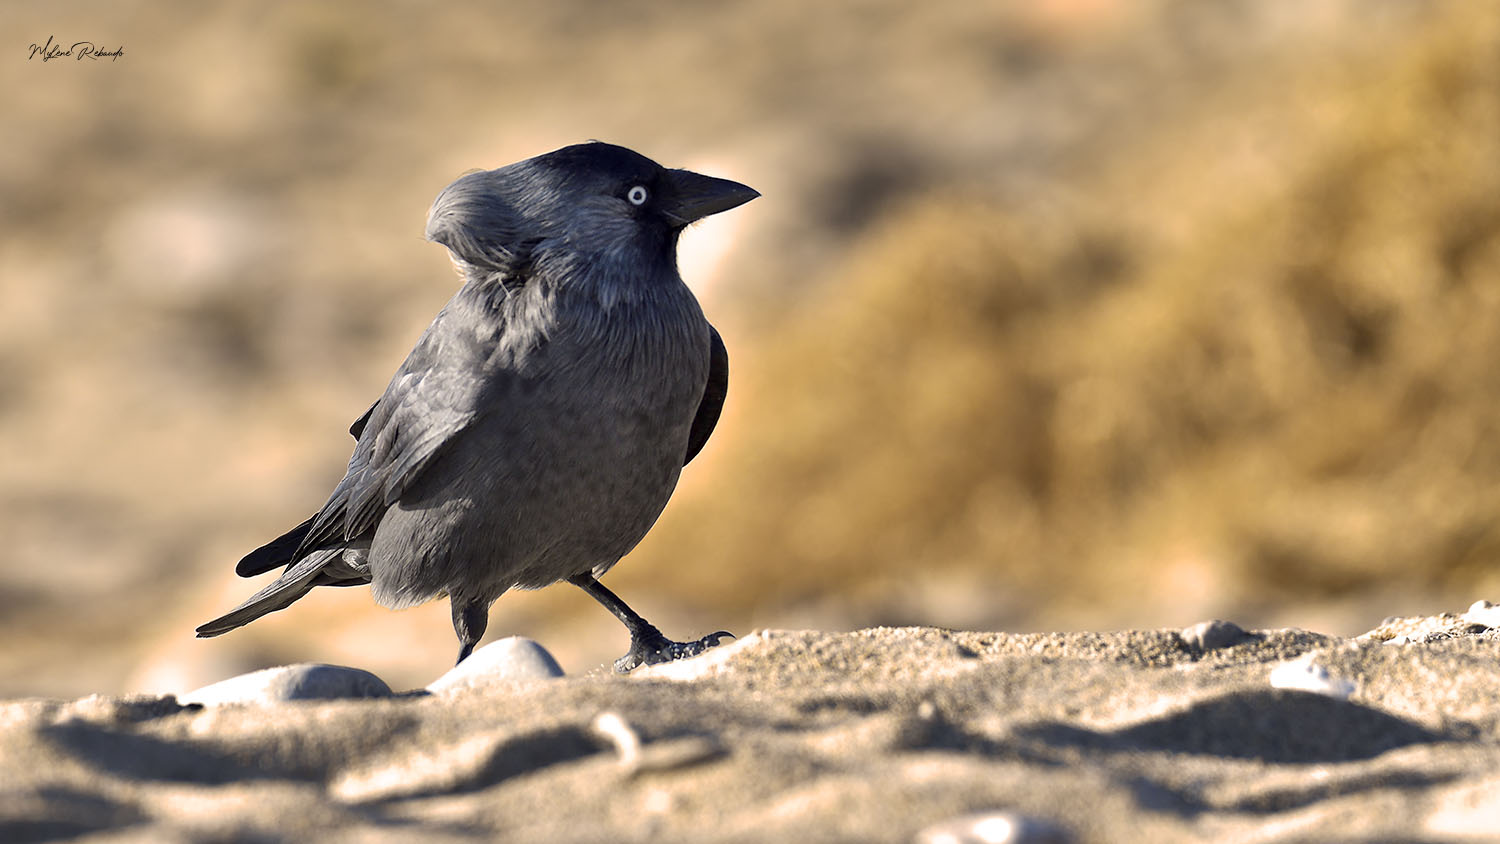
[[714, 392]]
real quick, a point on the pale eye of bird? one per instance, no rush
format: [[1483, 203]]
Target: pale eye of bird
[[637, 195]]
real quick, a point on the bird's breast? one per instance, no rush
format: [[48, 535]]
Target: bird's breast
[[607, 397], [570, 460]]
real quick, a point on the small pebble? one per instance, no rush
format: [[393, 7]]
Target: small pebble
[[1304, 675], [509, 662], [636, 757], [613, 728], [994, 828], [1483, 613], [1208, 636], [305, 681]]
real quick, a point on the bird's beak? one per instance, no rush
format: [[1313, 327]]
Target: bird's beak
[[695, 196]]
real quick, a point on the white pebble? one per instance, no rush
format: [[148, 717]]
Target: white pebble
[[513, 661], [305, 681], [1212, 635], [1484, 613], [1304, 675], [994, 828], [619, 733]]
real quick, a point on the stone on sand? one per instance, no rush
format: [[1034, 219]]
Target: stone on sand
[[994, 828], [510, 662], [305, 681], [1208, 636]]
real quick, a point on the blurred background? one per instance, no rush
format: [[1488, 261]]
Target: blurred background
[[1067, 314]]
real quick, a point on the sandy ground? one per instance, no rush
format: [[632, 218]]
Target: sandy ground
[[1205, 734]]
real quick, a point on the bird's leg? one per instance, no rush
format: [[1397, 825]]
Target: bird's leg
[[469, 621], [647, 645]]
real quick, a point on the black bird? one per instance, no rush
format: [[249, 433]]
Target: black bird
[[539, 426]]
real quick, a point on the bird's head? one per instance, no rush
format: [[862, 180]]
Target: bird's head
[[591, 210]]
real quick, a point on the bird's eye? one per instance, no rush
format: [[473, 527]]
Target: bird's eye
[[637, 195]]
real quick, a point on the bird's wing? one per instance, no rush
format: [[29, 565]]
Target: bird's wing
[[713, 396], [359, 424], [326, 567], [434, 395], [278, 552]]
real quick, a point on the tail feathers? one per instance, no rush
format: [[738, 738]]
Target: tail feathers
[[327, 567], [274, 554]]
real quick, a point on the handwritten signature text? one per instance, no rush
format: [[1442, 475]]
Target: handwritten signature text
[[78, 51]]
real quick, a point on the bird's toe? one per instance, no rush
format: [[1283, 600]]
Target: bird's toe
[[712, 640], [657, 649]]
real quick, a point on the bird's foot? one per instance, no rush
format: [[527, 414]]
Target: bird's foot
[[650, 647]]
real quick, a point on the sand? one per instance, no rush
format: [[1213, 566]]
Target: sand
[[889, 734]]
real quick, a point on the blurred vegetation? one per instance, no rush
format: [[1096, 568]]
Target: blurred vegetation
[[1084, 312], [1288, 395]]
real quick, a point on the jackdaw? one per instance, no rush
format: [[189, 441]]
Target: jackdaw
[[539, 426]]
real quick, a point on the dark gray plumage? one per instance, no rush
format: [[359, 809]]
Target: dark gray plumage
[[539, 426]]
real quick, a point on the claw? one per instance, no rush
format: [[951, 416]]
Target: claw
[[652, 648]]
